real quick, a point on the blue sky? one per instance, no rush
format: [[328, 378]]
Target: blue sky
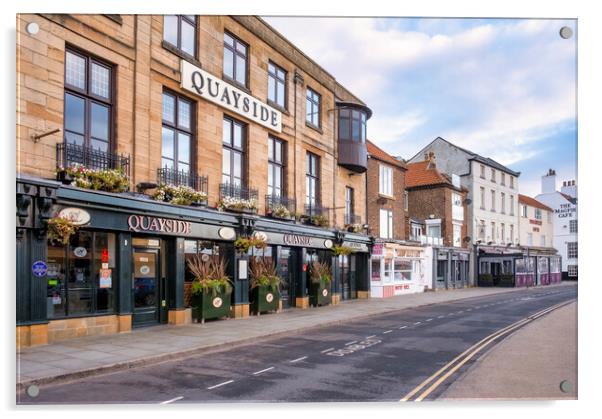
[[503, 88]]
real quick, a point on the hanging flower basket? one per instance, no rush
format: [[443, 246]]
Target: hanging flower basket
[[60, 230]]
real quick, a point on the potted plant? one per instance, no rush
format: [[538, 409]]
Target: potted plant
[[243, 244], [238, 204], [319, 220], [180, 195], [60, 230], [211, 288], [319, 288], [485, 280], [107, 180], [282, 212], [265, 284]]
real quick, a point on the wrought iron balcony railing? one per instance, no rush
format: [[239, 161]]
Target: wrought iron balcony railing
[[317, 215], [351, 219], [280, 207], [173, 177], [238, 198], [68, 154]]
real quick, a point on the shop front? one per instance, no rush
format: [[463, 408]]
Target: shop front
[[397, 269], [496, 265], [450, 267]]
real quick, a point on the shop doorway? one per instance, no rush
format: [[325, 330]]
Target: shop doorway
[[287, 269], [347, 271], [148, 287]]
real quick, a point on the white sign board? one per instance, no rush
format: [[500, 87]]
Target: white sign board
[[224, 94]]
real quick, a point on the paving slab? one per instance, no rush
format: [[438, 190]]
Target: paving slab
[[160, 343]]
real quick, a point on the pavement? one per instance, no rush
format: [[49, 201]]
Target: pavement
[[535, 359], [87, 356]]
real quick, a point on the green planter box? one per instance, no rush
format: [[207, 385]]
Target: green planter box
[[265, 300], [319, 293], [506, 281], [485, 280], [205, 306]]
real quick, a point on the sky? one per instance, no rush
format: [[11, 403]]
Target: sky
[[503, 88]]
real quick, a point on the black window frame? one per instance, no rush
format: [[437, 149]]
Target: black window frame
[[349, 203], [274, 165], [194, 24], [235, 52], [314, 95], [90, 98], [235, 149], [277, 81], [175, 126], [310, 175]]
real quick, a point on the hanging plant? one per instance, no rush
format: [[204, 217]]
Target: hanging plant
[[60, 230], [341, 250], [243, 244]]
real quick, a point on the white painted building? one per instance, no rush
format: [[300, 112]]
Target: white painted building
[[564, 205]]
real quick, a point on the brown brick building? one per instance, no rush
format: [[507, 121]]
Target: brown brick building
[[268, 141], [437, 207]]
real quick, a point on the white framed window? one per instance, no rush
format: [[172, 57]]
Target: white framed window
[[492, 200], [493, 175], [457, 239], [572, 270], [386, 224], [523, 209], [481, 230], [503, 232], [511, 233], [385, 180], [493, 231], [573, 226], [571, 250], [433, 228], [482, 197], [529, 239], [406, 201], [511, 204], [512, 182], [482, 171], [457, 208], [503, 203], [503, 181], [416, 231], [537, 214], [543, 240]]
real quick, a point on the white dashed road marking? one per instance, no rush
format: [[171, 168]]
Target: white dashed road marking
[[350, 343], [417, 322], [326, 350], [387, 331], [428, 320], [440, 317], [372, 336], [403, 327], [259, 372], [220, 384], [298, 359]]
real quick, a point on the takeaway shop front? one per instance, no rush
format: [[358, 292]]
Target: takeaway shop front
[[450, 267], [396, 269]]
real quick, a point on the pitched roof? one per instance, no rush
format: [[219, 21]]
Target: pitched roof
[[419, 174], [473, 156], [380, 154], [532, 202], [569, 198]]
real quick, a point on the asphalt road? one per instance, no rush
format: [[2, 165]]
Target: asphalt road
[[376, 359]]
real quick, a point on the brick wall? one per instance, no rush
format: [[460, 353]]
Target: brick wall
[[376, 202]]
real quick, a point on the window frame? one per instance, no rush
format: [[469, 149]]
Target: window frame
[[309, 156], [178, 47], [572, 250], [382, 180], [493, 200], [177, 128], [283, 81], [274, 165], [314, 103], [235, 149], [389, 226], [90, 98], [349, 119], [349, 203], [235, 53], [576, 226], [493, 175]]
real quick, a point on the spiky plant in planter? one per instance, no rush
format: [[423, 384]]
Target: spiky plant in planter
[[211, 287], [320, 279], [265, 283]]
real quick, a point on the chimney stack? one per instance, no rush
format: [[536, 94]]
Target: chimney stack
[[548, 182], [569, 188]]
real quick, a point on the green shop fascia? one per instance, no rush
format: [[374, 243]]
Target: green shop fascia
[[128, 257]]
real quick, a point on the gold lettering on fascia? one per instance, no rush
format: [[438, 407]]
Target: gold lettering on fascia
[[296, 240], [144, 223]]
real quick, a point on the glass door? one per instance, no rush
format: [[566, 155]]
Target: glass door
[[286, 269], [146, 287]]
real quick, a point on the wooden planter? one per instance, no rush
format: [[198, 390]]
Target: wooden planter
[[206, 306], [319, 293], [265, 300]]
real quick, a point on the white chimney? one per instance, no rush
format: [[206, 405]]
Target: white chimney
[[569, 187], [548, 182]]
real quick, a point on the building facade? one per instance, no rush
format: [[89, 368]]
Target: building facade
[[269, 143], [397, 264], [437, 218], [565, 233]]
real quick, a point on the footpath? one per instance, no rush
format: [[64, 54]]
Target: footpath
[[92, 355], [529, 364]]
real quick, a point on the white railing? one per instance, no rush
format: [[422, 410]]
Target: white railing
[[436, 241]]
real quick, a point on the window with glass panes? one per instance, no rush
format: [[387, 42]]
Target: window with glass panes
[[312, 107], [177, 133], [352, 125], [180, 31], [276, 85], [312, 179], [235, 59], [572, 226], [88, 101], [276, 167], [233, 152], [571, 250], [386, 224], [385, 180], [348, 205]]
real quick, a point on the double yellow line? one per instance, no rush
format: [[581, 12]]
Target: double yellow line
[[451, 367]]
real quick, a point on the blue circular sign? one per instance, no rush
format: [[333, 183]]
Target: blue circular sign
[[39, 268]]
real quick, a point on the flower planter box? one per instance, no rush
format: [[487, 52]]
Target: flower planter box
[[485, 280], [199, 203], [276, 217], [319, 293], [265, 300], [206, 306], [243, 210], [65, 178]]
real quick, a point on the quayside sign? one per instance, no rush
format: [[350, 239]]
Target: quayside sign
[[227, 96], [143, 223]]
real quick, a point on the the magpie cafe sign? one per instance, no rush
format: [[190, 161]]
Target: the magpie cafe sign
[[227, 96]]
